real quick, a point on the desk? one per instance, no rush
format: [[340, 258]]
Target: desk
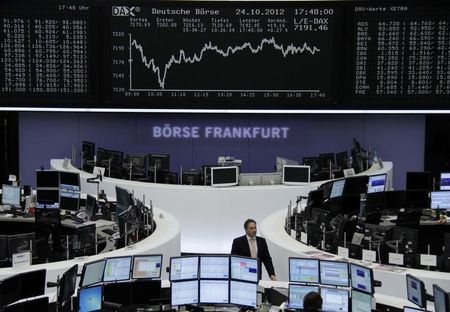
[[224, 209], [393, 291]]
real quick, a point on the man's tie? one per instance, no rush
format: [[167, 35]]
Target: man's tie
[[253, 253]]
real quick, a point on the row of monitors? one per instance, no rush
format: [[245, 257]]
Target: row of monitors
[[69, 201], [416, 293], [22, 286], [354, 186], [334, 273], [121, 269], [214, 267], [333, 299], [58, 179]]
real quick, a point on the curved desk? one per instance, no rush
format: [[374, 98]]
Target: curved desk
[[393, 291], [210, 217], [164, 240]]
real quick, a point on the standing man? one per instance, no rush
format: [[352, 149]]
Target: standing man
[[253, 246]]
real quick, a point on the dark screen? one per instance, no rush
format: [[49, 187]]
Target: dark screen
[[356, 185], [9, 290], [88, 149], [191, 177], [32, 284], [101, 156], [47, 196], [395, 199], [224, 175], [90, 205], [67, 284], [118, 293], [69, 201], [160, 161], [296, 174], [69, 179], [146, 291], [418, 181], [2, 247], [123, 200], [47, 178]]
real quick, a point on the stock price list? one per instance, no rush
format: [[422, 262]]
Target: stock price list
[[401, 56], [44, 53], [218, 56]]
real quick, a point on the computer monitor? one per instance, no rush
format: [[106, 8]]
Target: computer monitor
[[334, 273], [224, 176], [295, 175], [91, 203], [303, 270], [327, 188], [214, 291], [47, 198], [342, 160], [92, 273], [69, 181], [395, 200], [124, 199], [31, 305], [362, 278], [281, 161], [417, 199], [296, 294], [159, 161], [191, 177], [325, 160], [183, 293], [9, 290], [117, 292], [244, 268], [441, 299], [47, 178], [138, 160], [215, 267], [415, 290], [337, 188], [69, 201], [19, 243], [183, 268], [445, 181], [147, 266], [335, 299], [32, 284], [3, 251], [10, 195], [377, 183], [116, 158], [117, 269], [361, 302], [67, 284], [90, 299], [440, 199], [406, 236], [418, 180], [101, 157], [312, 162], [88, 149], [356, 185], [243, 294], [146, 291]]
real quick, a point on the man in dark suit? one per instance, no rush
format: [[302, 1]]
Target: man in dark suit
[[253, 246]]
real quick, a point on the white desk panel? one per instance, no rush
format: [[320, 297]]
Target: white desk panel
[[210, 217]]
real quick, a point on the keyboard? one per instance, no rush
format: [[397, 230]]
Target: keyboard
[[76, 219], [108, 231]]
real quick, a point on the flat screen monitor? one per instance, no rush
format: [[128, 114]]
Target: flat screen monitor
[[361, 302], [124, 200], [440, 199], [117, 292], [377, 183], [183, 293], [191, 177], [159, 161], [67, 284], [101, 156], [395, 200], [47, 178], [280, 162], [297, 293], [9, 290], [116, 158], [335, 299], [10, 195], [214, 291], [445, 181], [337, 188], [415, 290], [88, 149], [356, 185], [295, 175], [327, 188], [302, 270], [418, 180], [147, 266], [19, 243], [312, 162], [38, 304], [224, 176], [334, 273], [92, 273], [47, 198], [243, 294], [32, 284], [362, 278], [417, 199], [117, 269], [91, 203], [342, 160], [325, 160], [183, 268], [90, 299], [3, 251], [215, 267], [139, 161], [441, 299], [244, 268], [69, 181], [69, 201], [146, 291]]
